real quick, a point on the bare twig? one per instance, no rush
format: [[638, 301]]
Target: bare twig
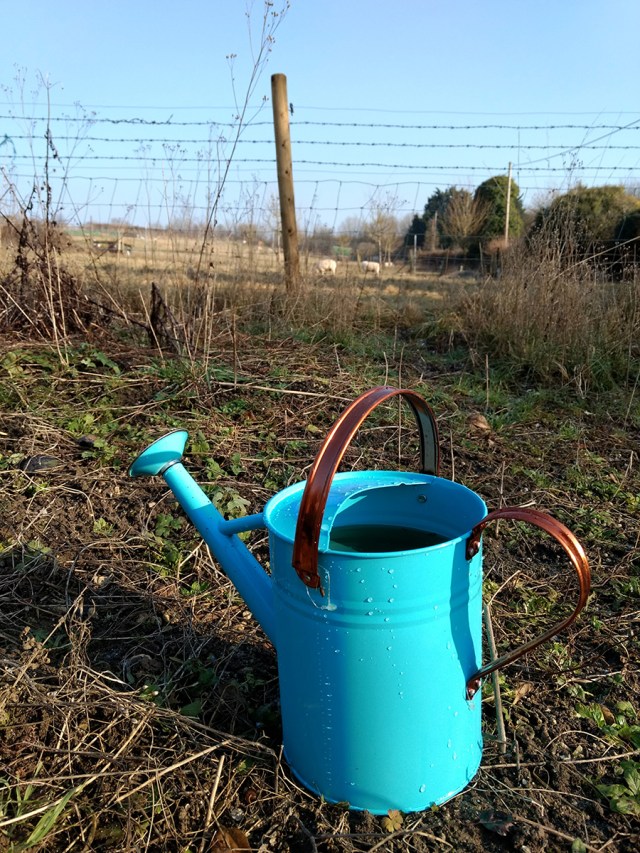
[[555, 832], [212, 799], [160, 773]]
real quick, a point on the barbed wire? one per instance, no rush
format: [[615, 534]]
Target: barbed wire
[[141, 140], [90, 119], [415, 185], [316, 108], [333, 163], [174, 169]]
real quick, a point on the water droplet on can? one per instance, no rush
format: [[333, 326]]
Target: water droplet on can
[[422, 788]]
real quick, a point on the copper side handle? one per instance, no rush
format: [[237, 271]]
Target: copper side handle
[[316, 492], [577, 556]]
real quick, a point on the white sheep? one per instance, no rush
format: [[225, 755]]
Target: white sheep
[[371, 266], [326, 265]]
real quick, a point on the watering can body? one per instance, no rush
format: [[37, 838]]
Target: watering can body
[[374, 606], [373, 674]]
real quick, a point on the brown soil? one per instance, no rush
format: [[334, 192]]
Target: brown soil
[[139, 700]]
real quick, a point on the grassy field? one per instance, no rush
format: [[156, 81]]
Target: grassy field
[[139, 699]]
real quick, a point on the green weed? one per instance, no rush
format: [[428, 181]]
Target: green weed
[[16, 804], [167, 524], [87, 357], [558, 656], [615, 726], [196, 588], [102, 527], [229, 502], [624, 796]]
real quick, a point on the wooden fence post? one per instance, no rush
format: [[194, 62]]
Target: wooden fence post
[[285, 182]]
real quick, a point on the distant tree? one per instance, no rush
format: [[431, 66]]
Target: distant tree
[[321, 240], [463, 218], [352, 229], [492, 196], [437, 203], [627, 252], [628, 228], [416, 232], [587, 220], [383, 230], [450, 217], [382, 227], [434, 212]]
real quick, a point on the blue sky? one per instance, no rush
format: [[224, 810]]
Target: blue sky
[[391, 100]]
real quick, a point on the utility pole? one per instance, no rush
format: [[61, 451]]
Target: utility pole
[[506, 218], [433, 236], [285, 182]]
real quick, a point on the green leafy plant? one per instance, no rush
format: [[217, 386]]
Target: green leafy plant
[[167, 524], [196, 588], [235, 464], [213, 469], [92, 358], [624, 796], [102, 527], [229, 502], [621, 727]]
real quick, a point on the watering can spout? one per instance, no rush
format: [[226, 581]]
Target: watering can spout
[[164, 457]]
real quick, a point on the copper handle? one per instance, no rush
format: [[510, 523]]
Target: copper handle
[[316, 492], [577, 556]]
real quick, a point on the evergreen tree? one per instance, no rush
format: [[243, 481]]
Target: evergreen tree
[[588, 220], [492, 196], [418, 228]]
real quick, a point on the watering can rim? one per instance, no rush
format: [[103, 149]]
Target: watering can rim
[[374, 479]]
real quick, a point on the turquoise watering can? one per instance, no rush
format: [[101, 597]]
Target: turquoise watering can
[[374, 607]]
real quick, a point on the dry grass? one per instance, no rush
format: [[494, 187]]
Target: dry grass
[[238, 282], [557, 321], [139, 699]]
